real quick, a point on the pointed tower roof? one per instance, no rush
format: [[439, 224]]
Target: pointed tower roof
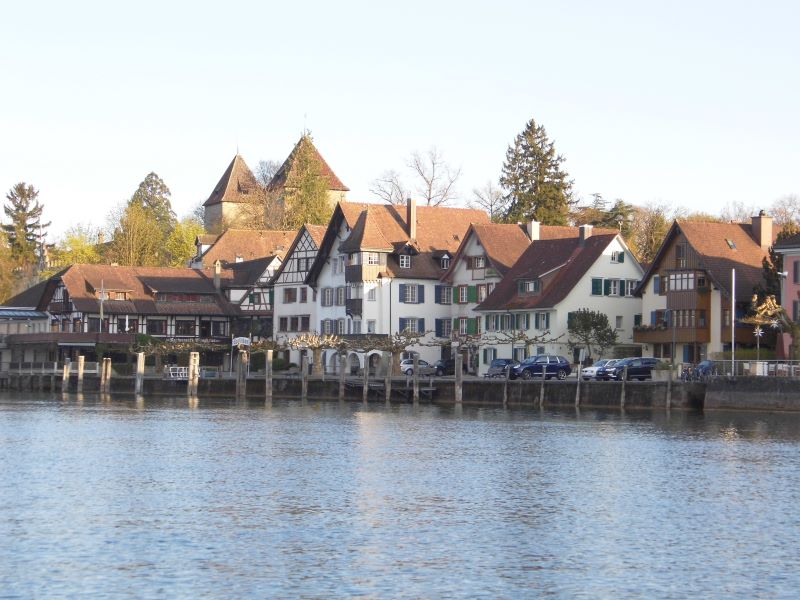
[[279, 179], [236, 182]]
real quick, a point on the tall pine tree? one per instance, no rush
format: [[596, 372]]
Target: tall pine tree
[[306, 189], [536, 186], [154, 196], [26, 228]]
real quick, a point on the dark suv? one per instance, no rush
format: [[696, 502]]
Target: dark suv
[[445, 366], [499, 367], [554, 366], [638, 368]]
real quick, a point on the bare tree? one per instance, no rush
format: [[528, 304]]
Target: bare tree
[[265, 171], [786, 209], [737, 212], [490, 199], [650, 224], [434, 180]]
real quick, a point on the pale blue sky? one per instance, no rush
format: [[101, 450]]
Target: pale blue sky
[[689, 103]]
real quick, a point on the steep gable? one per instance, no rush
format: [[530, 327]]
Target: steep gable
[[247, 244], [282, 175], [236, 183]]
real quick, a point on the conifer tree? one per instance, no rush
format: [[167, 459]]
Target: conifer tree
[[26, 228], [306, 189], [535, 184], [154, 196]]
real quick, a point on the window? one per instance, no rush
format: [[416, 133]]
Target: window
[[411, 294], [597, 286], [463, 325], [541, 320], [637, 320], [701, 281], [481, 292], [463, 294], [294, 323], [796, 271], [445, 262], [305, 322], [519, 354], [326, 326], [156, 326], [219, 328], [445, 294], [283, 324], [681, 281], [618, 256], [529, 286], [657, 284], [478, 262], [505, 323], [327, 297], [372, 294], [340, 326], [373, 258], [611, 287], [303, 294], [630, 286], [340, 296], [680, 256], [726, 317], [289, 295], [371, 326], [618, 323], [405, 261], [489, 354], [731, 244], [357, 327], [184, 327], [444, 328], [94, 324]]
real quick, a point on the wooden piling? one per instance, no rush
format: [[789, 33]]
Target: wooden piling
[[415, 379], [194, 373], [342, 374], [668, 401], [541, 388], [388, 380], [81, 363], [578, 389], [65, 376], [107, 379], [268, 378], [459, 366], [139, 385], [241, 374], [365, 391], [624, 383], [101, 365], [304, 378], [505, 385]]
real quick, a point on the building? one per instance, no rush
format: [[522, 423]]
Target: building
[[378, 268], [687, 293], [16, 321], [236, 188], [295, 301], [249, 289], [240, 245], [563, 270], [789, 248]]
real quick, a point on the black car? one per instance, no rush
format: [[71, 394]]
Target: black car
[[499, 367], [554, 366], [447, 366], [638, 368]]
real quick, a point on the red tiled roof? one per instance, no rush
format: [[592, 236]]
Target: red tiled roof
[[280, 177], [248, 244], [235, 184], [559, 261]]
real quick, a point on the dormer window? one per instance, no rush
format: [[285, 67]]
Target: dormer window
[[478, 262], [618, 256], [405, 261], [445, 262], [529, 286]]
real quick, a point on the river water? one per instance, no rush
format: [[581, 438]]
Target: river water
[[163, 498]]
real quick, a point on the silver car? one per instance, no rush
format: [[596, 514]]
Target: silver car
[[591, 372], [425, 368]]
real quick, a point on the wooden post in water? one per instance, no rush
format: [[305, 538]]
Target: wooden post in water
[[53, 377], [342, 374], [459, 366], [505, 385], [365, 391], [101, 365], [388, 380], [81, 363], [669, 389], [137, 388], [107, 388], [304, 378], [415, 380], [268, 378], [541, 388], [578, 389], [241, 379], [65, 376], [624, 383], [194, 373]]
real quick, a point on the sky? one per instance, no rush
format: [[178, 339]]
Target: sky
[[690, 104]]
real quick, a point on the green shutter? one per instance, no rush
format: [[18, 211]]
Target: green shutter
[[606, 287], [454, 289], [472, 327], [597, 286], [472, 293], [621, 257]]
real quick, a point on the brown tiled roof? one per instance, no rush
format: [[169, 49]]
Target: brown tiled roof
[[140, 283], [246, 273], [503, 243], [235, 184], [32, 297], [248, 244], [207, 239], [560, 261], [280, 177], [718, 258], [792, 241], [317, 233], [439, 229]]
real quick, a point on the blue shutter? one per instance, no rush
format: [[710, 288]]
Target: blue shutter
[[402, 292], [656, 284], [653, 321], [667, 317], [439, 328], [322, 326], [420, 294], [420, 325], [403, 324], [437, 289]]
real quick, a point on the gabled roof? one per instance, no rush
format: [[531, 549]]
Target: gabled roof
[[247, 244], [315, 232], [247, 273], [717, 258], [32, 297], [789, 243], [235, 184], [563, 258], [280, 177], [439, 229]]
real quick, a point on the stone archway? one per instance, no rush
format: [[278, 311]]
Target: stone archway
[[353, 364], [374, 363], [333, 363]]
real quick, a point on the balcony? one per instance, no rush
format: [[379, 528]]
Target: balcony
[[358, 273], [646, 334], [354, 306]]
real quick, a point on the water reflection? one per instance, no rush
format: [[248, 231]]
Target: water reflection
[[213, 497]]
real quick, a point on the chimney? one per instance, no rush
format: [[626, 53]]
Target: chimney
[[411, 218], [533, 229], [584, 233], [761, 226], [217, 272]]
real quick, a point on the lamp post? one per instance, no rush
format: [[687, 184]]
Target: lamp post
[[758, 332]]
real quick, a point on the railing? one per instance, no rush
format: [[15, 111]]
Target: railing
[[742, 368]]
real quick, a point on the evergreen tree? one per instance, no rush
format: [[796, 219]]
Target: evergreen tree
[[154, 196], [6, 269], [590, 329], [536, 186], [26, 228], [306, 189]]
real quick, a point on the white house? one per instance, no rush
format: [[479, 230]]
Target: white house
[[564, 271]]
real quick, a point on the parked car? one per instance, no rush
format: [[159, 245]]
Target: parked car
[[591, 372], [638, 368], [554, 366], [500, 366], [425, 368], [447, 366]]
